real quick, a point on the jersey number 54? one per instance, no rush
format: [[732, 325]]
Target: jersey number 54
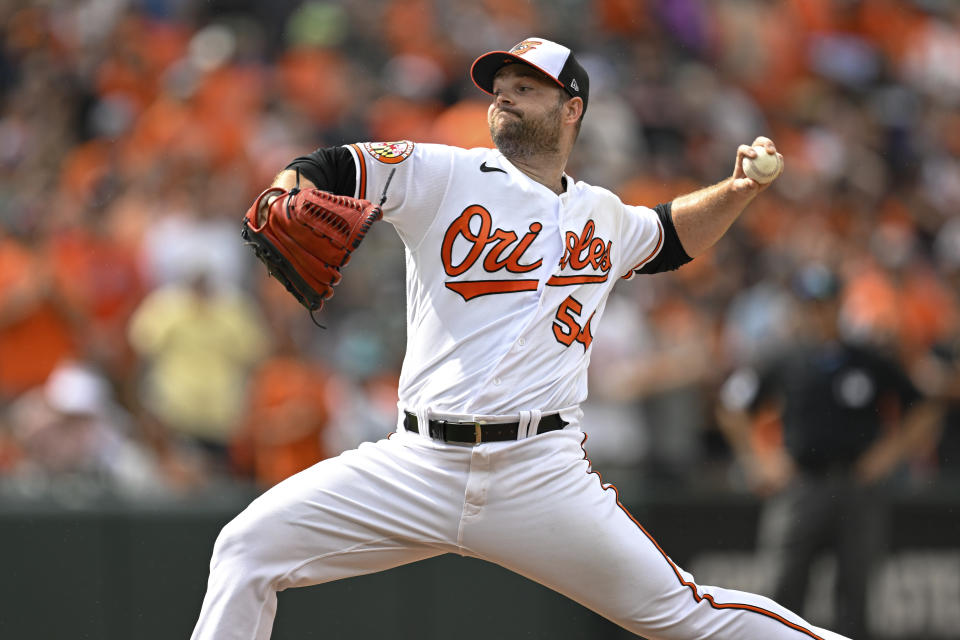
[[566, 328]]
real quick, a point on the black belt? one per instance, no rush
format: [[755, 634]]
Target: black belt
[[477, 432]]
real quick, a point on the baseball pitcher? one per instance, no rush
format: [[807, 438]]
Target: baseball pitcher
[[509, 265]]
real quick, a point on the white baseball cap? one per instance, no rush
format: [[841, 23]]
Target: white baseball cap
[[74, 388], [550, 58]]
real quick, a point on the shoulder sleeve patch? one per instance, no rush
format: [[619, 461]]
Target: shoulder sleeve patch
[[389, 152]]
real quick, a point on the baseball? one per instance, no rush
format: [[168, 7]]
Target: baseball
[[764, 167]]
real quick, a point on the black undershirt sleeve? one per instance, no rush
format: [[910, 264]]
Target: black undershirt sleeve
[[672, 255], [330, 168]]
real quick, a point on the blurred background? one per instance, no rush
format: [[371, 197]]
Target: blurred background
[[153, 379]]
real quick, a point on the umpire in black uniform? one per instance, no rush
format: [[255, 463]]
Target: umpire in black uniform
[[850, 416]]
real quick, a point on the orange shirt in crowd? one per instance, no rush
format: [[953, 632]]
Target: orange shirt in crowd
[[287, 418], [34, 332], [914, 310], [100, 279]]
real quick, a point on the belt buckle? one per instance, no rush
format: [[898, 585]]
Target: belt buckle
[[477, 433]]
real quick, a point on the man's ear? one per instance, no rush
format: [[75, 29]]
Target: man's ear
[[573, 109]]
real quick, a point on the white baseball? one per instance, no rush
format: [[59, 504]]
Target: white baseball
[[764, 167]]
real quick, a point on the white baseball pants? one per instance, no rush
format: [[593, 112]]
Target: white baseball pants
[[532, 505]]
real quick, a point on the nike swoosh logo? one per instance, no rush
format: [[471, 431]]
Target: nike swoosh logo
[[487, 169]]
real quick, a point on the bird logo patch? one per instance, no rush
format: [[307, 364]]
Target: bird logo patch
[[389, 152], [525, 46]]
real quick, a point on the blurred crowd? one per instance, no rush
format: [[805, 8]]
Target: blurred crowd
[[144, 352]]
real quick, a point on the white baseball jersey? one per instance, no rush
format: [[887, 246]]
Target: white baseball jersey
[[506, 280]]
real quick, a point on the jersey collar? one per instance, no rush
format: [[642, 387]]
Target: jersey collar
[[506, 164]]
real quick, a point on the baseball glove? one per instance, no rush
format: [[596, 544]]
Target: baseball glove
[[306, 237]]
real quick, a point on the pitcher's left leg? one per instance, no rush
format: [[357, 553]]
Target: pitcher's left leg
[[550, 519]]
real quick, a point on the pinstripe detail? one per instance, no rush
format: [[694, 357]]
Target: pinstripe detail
[[692, 586], [563, 281], [362, 173], [655, 251]]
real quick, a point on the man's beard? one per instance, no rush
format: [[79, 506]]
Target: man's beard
[[523, 137]]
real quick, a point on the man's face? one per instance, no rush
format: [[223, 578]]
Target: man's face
[[525, 116]]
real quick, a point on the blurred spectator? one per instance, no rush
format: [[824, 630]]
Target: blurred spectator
[[759, 319], [850, 417], [610, 149], [285, 429], [364, 395], [36, 321], [896, 296], [660, 367], [670, 380], [195, 233], [198, 342], [99, 278], [71, 439], [618, 434]]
